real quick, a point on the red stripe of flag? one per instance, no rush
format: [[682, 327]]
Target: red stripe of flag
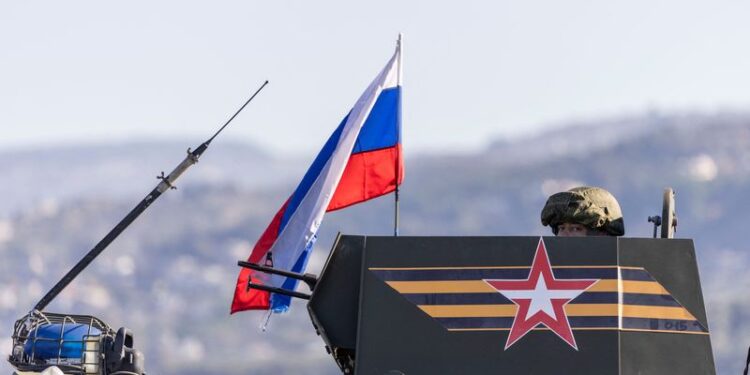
[[245, 299], [368, 175]]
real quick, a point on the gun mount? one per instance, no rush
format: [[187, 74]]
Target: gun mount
[[668, 218]]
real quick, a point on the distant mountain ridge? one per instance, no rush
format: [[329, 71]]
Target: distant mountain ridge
[[128, 169], [170, 276], [582, 137]]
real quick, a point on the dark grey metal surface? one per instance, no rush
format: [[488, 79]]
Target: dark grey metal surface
[[673, 263], [394, 336], [334, 303]]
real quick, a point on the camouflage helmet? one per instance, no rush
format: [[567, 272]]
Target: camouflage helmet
[[592, 207]]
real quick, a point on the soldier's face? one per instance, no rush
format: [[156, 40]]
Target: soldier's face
[[571, 230]]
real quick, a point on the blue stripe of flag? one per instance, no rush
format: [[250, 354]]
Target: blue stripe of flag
[[280, 302], [312, 174], [382, 127]]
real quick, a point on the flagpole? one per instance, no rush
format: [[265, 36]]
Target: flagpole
[[395, 219], [398, 158]]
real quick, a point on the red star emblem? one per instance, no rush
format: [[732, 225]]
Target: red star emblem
[[541, 299]]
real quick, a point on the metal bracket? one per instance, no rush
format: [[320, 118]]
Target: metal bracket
[[192, 157], [657, 222], [309, 279], [668, 214], [165, 179]]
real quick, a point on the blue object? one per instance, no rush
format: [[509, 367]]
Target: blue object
[[45, 342]]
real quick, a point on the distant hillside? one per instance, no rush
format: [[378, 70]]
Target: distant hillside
[[582, 137], [170, 276], [129, 169]]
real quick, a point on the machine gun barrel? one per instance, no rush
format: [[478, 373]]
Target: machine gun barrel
[[307, 278], [167, 182], [282, 291]]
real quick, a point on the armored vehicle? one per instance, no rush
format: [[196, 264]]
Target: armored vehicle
[[515, 305]]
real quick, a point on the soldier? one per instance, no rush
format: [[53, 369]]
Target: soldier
[[583, 211]]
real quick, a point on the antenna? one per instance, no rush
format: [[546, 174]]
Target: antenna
[[167, 183]]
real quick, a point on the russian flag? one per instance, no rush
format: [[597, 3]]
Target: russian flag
[[360, 161]]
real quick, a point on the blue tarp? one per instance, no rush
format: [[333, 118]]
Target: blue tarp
[[45, 342]]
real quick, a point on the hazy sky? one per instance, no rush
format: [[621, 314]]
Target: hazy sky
[[85, 71]]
